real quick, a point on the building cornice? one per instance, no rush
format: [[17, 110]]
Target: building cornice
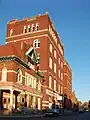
[[15, 59]]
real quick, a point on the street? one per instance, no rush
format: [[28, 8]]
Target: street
[[82, 116]]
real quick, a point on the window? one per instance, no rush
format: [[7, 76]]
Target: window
[[25, 29], [39, 86], [37, 26], [61, 76], [4, 100], [35, 83], [29, 29], [4, 74], [55, 67], [59, 73], [36, 43], [59, 88], [19, 76], [11, 32], [8, 100], [61, 64], [30, 80], [59, 61], [55, 53], [51, 48], [50, 63], [55, 85], [22, 99], [33, 28], [50, 82]]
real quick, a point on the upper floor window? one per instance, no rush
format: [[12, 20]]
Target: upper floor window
[[37, 43], [59, 61], [55, 67], [55, 53], [33, 28], [39, 86], [29, 29], [19, 76], [30, 80], [50, 48], [61, 76], [4, 74], [50, 63], [59, 88], [11, 32], [61, 64], [25, 29], [37, 26], [59, 73], [55, 85], [50, 82]]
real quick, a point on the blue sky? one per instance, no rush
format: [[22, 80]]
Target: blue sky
[[72, 21]]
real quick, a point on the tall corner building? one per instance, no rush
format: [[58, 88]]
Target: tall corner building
[[39, 32]]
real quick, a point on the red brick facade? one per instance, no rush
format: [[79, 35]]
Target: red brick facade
[[40, 33]]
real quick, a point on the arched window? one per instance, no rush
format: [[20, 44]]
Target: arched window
[[33, 28], [4, 74], [37, 26], [24, 29], [11, 32], [29, 29], [19, 76]]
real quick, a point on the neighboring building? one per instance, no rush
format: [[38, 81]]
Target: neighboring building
[[67, 83], [40, 33], [18, 82], [67, 80], [74, 99]]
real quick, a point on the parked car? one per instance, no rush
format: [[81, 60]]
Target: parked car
[[53, 111], [81, 110]]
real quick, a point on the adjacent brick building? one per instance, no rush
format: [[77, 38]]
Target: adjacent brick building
[[40, 33]]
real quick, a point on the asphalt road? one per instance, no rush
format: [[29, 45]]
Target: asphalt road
[[82, 116]]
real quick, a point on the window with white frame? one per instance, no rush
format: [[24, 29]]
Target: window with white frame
[[19, 80], [50, 82], [39, 86], [25, 29], [11, 32], [36, 43], [59, 73], [61, 64], [59, 61], [61, 76], [50, 48], [30, 80], [55, 67], [50, 63], [37, 26], [4, 74], [55, 55], [55, 85], [29, 29], [34, 86], [33, 27]]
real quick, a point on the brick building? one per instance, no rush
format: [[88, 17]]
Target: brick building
[[39, 32], [67, 83], [18, 82]]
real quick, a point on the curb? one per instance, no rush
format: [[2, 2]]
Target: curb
[[25, 116]]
